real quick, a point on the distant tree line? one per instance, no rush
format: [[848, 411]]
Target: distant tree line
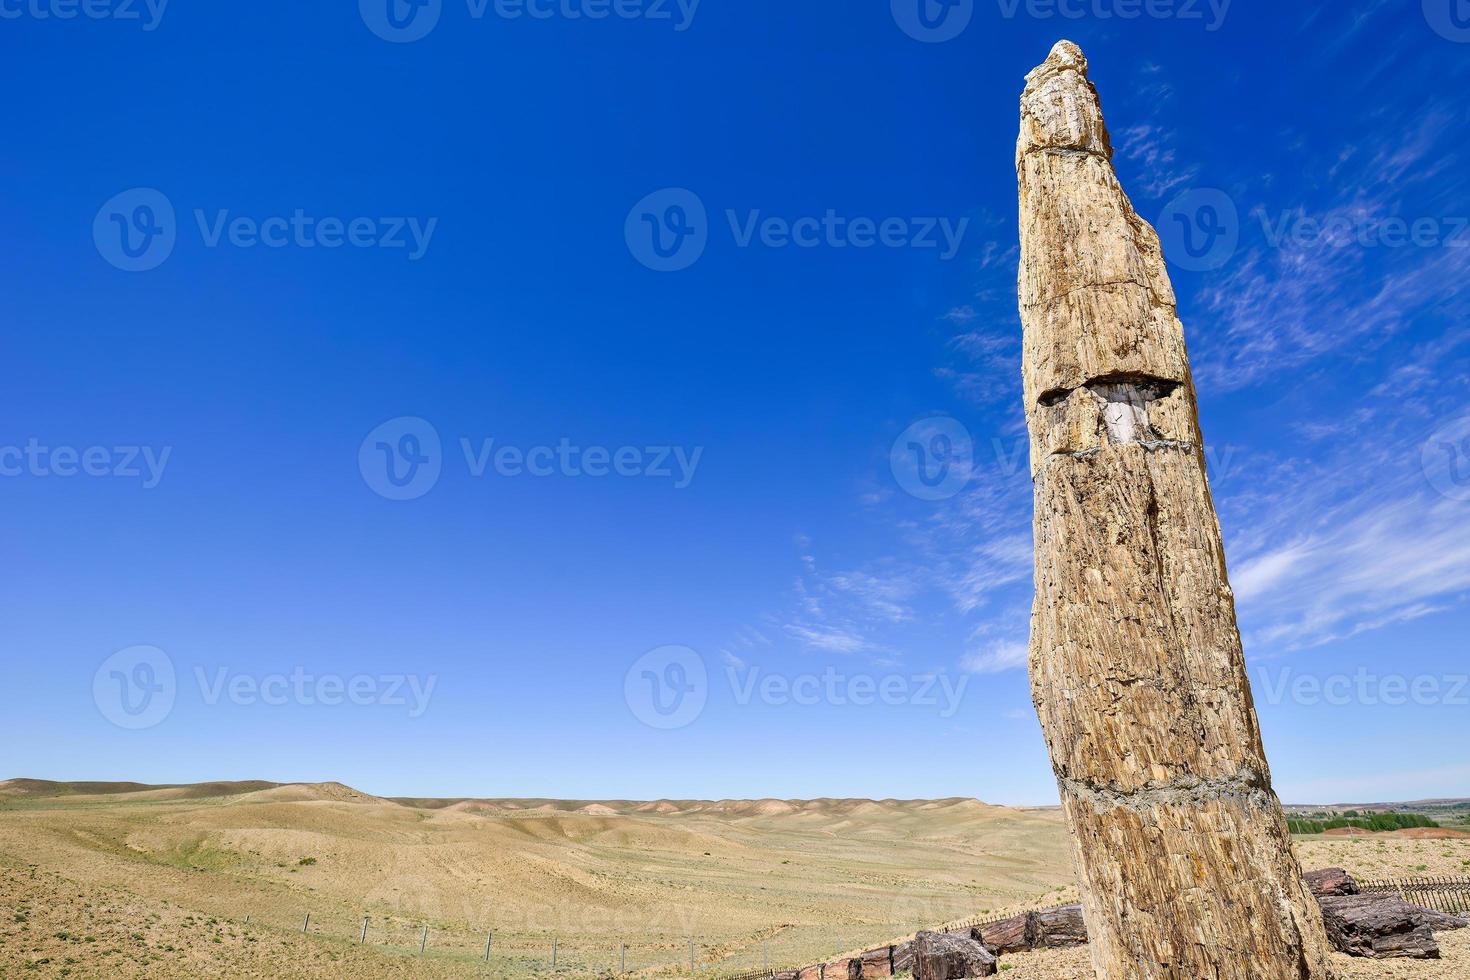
[[1377, 822]]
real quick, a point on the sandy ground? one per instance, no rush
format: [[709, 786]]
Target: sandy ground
[[1396, 855], [215, 882], [184, 872], [1073, 964], [1382, 856]]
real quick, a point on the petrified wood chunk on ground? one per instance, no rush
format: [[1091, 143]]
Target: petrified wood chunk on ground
[[1004, 937], [1379, 927], [1331, 881], [843, 970], [1137, 669], [877, 963], [1058, 928], [810, 973], [903, 957], [946, 956], [787, 975]]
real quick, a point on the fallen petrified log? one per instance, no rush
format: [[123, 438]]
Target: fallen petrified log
[[946, 956], [1331, 881], [845, 969], [1005, 937], [877, 963], [903, 958], [1381, 927], [1057, 928], [787, 975], [1378, 926]]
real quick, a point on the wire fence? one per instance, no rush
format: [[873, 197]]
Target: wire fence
[[964, 926], [1450, 895], [520, 952]]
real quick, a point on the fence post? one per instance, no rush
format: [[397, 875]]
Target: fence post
[[766, 947], [362, 936], [488, 936], [306, 922], [553, 953], [424, 940], [622, 957], [691, 954]]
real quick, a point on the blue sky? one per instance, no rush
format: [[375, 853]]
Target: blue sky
[[257, 253]]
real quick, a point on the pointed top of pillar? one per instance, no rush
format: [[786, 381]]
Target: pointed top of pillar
[[1064, 55], [1060, 108]]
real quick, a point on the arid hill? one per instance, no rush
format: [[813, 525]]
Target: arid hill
[[803, 877]]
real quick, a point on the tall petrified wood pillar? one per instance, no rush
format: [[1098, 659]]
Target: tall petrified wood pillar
[[1136, 661]]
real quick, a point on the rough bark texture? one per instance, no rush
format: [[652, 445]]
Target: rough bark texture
[[946, 956], [843, 970], [1136, 663], [903, 957]]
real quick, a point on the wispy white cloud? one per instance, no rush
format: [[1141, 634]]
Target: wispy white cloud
[[829, 639], [1149, 148], [1362, 568], [997, 659]]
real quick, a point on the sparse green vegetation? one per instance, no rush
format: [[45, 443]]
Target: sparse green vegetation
[[1378, 823]]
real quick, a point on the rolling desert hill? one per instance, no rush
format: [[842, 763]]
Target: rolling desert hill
[[803, 878], [216, 879]]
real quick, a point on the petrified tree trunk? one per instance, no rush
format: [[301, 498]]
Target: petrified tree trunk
[[1136, 663]]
